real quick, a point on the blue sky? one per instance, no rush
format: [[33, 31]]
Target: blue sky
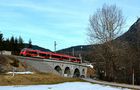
[[63, 21]]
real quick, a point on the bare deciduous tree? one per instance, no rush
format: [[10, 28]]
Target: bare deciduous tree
[[105, 25]]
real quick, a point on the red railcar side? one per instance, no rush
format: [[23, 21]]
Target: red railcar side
[[48, 55]]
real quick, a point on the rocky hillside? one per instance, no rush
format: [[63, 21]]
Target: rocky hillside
[[8, 62]]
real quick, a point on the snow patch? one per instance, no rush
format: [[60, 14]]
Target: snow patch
[[91, 66], [64, 86], [28, 72]]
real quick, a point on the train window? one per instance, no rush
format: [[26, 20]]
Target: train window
[[41, 54], [65, 58], [48, 55], [32, 52], [56, 57], [73, 59]]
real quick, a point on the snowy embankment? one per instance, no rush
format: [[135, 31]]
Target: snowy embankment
[[63, 86]]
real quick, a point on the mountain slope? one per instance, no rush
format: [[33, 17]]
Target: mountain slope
[[75, 49], [132, 36], [37, 47]]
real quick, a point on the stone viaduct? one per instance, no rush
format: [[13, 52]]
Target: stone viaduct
[[63, 68]]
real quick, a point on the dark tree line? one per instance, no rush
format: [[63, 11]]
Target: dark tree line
[[13, 44], [119, 65], [1, 41]]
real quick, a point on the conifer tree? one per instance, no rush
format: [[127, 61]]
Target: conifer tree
[[1, 42], [20, 43], [6, 44], [16, 48], [30, 44], [11, 44]]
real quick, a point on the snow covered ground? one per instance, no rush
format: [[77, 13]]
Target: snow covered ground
[[63, 86]]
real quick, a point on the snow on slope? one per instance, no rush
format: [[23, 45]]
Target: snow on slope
[[63, 86]]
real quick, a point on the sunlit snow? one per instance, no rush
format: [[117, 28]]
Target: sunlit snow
[[27, 72], [63, 86]]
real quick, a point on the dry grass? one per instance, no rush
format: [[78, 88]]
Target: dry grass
[[33, 79], [30, 79]]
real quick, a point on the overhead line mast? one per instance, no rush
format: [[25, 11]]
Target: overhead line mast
[[55, 46]]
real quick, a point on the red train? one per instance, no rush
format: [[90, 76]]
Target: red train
[[48, 55]]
